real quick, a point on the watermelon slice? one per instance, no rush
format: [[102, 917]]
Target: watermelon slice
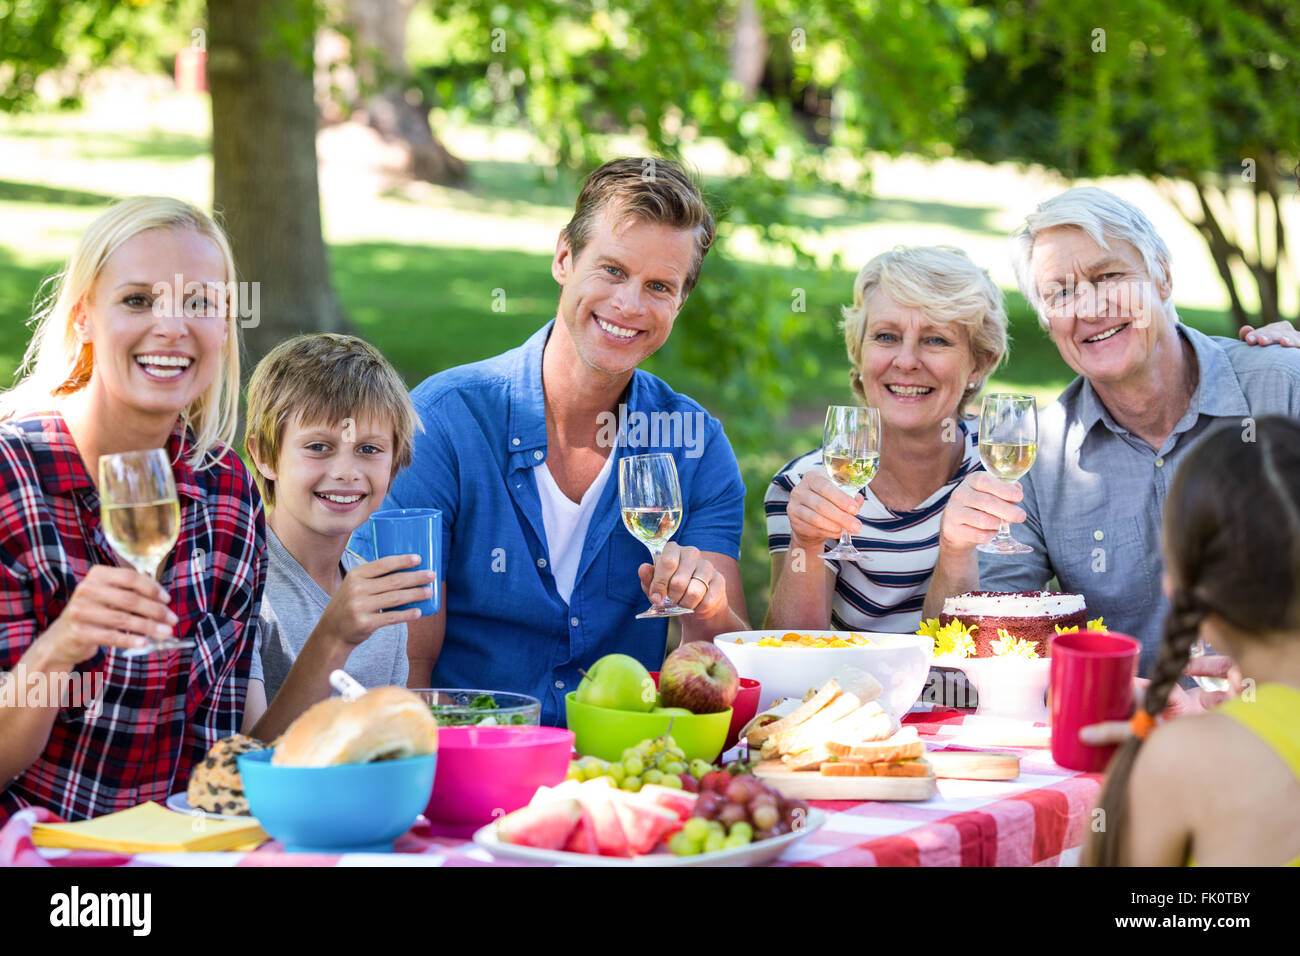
[[583, 838], [546, 826], [678, 801], [544, 794], [600, 803], [645, 823]]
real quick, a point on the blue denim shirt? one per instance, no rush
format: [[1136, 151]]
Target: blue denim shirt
[[507, 627], [1096, 492]]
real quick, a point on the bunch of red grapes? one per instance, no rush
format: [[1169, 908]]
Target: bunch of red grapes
[[734, 798]]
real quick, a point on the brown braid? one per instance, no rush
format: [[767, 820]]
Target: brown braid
[[1230, 522], [1182, 626]]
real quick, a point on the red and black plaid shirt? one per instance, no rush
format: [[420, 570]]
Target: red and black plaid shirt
[[160, 712]]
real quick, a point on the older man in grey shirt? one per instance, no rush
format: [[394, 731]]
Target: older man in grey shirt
[[1149, 386]]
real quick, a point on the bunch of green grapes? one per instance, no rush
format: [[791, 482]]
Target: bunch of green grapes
[[734, 810], [658, 760], [699, 835]]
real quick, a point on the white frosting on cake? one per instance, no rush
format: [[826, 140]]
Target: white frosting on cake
[[1032, 604]]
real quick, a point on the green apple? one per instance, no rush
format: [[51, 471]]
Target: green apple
[[618, 682], [677, 711]]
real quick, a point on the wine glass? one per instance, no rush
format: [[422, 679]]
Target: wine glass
[[1203, 648], [141, 516], [1008, 446], [651, 499], [850, 455]]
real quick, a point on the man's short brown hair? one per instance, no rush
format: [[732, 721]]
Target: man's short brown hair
[[658, 191], [324, 379]]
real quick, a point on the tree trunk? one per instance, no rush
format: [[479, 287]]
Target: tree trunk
[[264, 165], [380, 58], [748, 48], [1222, 250]]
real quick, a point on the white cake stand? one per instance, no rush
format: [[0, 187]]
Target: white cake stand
[[1010, 687]]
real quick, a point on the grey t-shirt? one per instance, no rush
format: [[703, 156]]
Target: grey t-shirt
[[292, 604]]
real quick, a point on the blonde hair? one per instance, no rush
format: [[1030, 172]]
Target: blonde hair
[[651, 190], [947, 286], [57, 364], [327, 379]]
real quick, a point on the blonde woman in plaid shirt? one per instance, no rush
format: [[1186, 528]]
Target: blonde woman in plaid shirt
[[95, 384]]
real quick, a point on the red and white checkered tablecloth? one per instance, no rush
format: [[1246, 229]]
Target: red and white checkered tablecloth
[[1039, 819]]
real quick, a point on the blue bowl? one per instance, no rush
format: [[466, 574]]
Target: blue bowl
[[351, 808]]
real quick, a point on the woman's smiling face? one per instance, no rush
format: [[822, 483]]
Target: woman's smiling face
[[156, 350], [914, 369]]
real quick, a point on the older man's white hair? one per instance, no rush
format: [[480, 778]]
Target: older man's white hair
[[1104, 217]]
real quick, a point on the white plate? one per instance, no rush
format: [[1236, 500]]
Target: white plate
[[181, 804], [755, 854]]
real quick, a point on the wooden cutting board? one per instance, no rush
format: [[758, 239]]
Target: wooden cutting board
[[973, 764], [811, 785]]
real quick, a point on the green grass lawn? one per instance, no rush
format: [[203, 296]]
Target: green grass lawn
[[421, 298]]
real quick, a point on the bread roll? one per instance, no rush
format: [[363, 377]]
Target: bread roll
[[215, 784], [387, 723]]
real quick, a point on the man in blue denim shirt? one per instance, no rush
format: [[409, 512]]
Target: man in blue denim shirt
[[520, 453]]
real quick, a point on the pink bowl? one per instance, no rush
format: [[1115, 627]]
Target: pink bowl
[[485, 772]]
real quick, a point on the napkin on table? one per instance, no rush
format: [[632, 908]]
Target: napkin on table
[[150, 828]]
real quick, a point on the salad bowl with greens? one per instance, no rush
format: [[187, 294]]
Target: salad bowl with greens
[[454, 707]]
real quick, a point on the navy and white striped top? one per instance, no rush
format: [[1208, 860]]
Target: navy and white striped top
[[887, 594]]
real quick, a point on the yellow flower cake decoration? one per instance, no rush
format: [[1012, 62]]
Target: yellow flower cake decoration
[[1009, 646], [952, 640]]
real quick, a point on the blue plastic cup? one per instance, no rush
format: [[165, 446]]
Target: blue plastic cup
[[411, 531]]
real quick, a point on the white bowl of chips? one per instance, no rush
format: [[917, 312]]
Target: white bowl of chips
[[790, 663]]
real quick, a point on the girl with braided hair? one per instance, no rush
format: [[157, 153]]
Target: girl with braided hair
[[1221, 788]]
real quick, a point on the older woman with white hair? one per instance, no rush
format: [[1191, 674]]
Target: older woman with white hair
[[1100, 277], [926, 328]]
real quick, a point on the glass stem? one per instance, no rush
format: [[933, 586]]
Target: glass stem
[[845, 541], [654, 559], [1004, 529]]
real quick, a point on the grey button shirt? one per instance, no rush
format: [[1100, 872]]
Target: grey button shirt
[[1095, 495]]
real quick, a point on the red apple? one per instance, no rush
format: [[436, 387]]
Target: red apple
[[700, 678]]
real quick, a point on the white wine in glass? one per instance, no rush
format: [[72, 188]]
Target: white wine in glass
[[652, 526], [1008, 447], [141, 516], [651, 500], [1202, 648], [850, 456]]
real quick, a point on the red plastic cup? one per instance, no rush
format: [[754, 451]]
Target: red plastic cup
[[1091, 681]]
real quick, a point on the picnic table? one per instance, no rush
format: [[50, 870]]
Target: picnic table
[[1039, 819]]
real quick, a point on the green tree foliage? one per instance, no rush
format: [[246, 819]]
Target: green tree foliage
[[576, 72], [1203, 91], [1179, 90], [67, 41]]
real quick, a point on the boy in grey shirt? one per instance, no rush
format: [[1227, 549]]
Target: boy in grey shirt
[[329, 424], [292, 604]]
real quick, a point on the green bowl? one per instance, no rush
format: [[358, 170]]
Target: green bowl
[[604, 733]]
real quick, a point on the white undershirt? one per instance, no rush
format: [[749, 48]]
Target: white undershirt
[[566, 523]]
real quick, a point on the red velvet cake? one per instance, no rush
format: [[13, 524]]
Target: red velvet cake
[[1027, 615]]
